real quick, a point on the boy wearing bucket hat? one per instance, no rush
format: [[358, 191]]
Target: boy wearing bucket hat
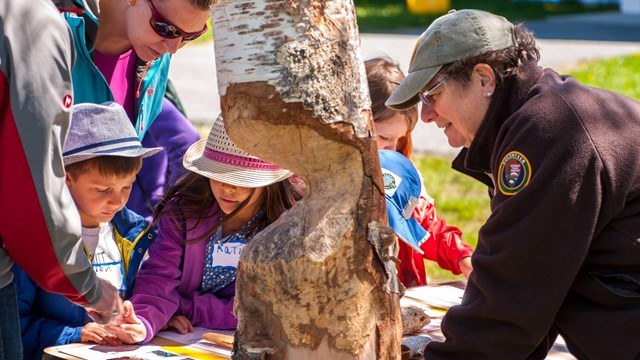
[[204, 222], [102, 155]]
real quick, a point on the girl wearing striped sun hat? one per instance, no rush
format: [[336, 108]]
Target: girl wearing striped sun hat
[[204, 222]]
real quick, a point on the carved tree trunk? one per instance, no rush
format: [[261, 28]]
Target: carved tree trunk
[[320, 282]]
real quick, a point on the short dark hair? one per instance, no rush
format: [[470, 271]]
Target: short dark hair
[[504, 62], [109, 166]]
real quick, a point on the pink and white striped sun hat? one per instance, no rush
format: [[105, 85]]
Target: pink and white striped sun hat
[[218, 158]]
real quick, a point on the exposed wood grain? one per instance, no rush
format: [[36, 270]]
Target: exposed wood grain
[[320, 282]]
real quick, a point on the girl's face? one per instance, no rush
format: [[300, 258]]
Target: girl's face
[[230, 197], [147, 43], [390, 131]]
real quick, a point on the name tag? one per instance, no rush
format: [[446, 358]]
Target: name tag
[[113, 273], [226, 254], [106, 258]]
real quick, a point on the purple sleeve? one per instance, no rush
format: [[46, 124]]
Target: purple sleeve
[[164, 288], [155, 296], [210, 311], [172, 131]]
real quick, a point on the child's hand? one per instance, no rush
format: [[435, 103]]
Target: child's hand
[[131, 330], [98, 334], [180, 323]]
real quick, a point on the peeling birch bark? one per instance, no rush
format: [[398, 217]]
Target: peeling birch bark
[[320, 282]]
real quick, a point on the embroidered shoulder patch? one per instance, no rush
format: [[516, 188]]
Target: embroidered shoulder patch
[[514, 173]]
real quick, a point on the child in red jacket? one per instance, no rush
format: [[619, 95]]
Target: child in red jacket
[[393, 132]]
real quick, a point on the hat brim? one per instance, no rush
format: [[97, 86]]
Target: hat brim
[[131, 153], [408, 230], [195, 161], [406, 94]]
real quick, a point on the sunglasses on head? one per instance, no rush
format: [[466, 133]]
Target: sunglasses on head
[[167, 30]]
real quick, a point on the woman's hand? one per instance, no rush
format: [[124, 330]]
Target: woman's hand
[[99, 334], [180, 323], [131, 330]]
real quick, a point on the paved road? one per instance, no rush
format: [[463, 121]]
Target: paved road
[[562, 42]]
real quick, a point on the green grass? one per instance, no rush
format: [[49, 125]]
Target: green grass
[[618, 74]]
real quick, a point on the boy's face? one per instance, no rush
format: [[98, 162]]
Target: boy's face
[[98, 197]]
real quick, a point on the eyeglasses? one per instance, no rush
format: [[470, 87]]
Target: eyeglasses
[[426, 98], [167, 30]]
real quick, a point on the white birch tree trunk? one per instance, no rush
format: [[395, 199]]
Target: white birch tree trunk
[[318, 283]]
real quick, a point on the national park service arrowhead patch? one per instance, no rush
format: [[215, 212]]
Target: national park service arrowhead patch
[[514, 173]]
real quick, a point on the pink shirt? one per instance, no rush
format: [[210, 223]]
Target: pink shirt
[[120, 72]]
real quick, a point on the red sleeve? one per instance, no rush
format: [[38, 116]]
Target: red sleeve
[[445, 245]]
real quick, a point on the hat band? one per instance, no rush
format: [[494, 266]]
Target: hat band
[[107, 146], [239, 161]]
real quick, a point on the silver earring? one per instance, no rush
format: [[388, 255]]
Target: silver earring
[[489, 93]]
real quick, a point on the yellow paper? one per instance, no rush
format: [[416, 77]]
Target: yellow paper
[[196, 354]]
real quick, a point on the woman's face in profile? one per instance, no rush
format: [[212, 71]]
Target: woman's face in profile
[[147, 43], [458, 109]]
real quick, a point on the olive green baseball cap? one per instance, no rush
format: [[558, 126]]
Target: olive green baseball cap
[[454, 36]]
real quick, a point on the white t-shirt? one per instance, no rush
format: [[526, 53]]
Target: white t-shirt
[[104, 254]]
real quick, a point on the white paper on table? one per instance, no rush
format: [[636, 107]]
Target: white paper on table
[[211, 347], [443, 296], [190, 337], [141, 352]]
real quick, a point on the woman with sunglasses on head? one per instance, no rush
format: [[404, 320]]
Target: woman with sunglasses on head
[[393, 128], [123, 49]]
